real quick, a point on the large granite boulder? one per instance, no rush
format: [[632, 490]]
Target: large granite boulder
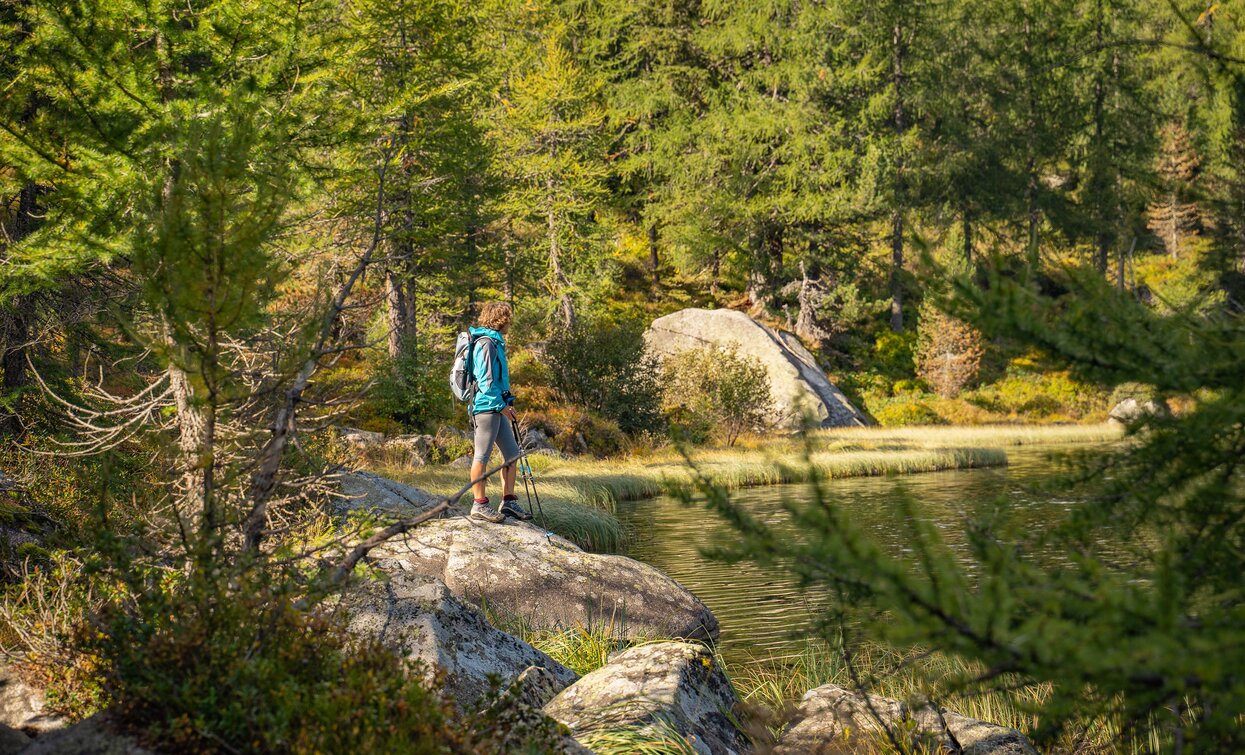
[[1132, 410], [520, 570], [22, 706], [836, 720], [798, 385], [668, 684], [418, 616], [365, 491]]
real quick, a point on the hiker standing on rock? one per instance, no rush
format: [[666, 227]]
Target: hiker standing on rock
[[492, 412]]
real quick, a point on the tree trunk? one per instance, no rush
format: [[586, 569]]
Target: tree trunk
[[558, 284], [774, 248], [15, 337], [715, 273], [896, 281], [897, 221], [966, 231], [395, 311], [1100, 137], [1031, 186], [652, 253]]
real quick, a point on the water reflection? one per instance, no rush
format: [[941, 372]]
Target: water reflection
[[762, 612]]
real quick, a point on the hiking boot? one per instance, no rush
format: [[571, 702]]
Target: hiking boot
[[484, 513], [511, 507]]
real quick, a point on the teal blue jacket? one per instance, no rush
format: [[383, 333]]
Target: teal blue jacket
[[491, 371]]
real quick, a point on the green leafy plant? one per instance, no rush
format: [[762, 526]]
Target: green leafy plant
[[715, 390], [605, 368], [248, 664], [413, 390]]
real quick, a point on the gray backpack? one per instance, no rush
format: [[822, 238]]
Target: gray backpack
[[462, 382]]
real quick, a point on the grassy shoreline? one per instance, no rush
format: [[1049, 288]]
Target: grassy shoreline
[[771, 689], [580, 496]]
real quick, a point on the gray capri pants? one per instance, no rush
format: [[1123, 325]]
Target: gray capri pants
[[494, 427]]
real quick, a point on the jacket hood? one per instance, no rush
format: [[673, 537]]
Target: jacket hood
[[478, 331]]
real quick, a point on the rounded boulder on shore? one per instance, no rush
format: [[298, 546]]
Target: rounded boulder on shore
[[516, 569], [797, 384]]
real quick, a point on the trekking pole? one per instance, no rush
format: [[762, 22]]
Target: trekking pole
[[525, 471]]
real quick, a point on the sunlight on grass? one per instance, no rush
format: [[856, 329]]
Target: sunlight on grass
[[579, 495]]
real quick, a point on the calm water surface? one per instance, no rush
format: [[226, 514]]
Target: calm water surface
[[762, 612]]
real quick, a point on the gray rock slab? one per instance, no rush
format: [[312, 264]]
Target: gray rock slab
[[92, 736], [796, 382], [418, 616], [832, 719], [675, 683], [22, 707], [366, 491], [548, 582]]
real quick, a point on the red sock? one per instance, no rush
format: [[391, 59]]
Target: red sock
[[481, 500], [510, 498]]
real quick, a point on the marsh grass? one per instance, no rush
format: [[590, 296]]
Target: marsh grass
[[977, 435], [580, 496], [660, 738], [778, 684]]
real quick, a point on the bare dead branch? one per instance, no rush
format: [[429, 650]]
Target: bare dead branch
[[264, 479]]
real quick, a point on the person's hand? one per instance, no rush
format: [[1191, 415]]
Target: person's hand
[[510, 414]]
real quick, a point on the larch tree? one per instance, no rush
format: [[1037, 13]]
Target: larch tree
[[416, 71], [548, 128]]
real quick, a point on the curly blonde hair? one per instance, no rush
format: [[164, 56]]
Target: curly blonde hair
[[496, 315]]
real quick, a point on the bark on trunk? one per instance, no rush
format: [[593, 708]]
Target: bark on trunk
[[395, 311], [558, 283], [1031, 187], [1100, 95], [15, 337], [897, 220], [652, 254], [966, 230], [896, 281]]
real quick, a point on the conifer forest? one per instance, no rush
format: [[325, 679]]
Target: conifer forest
[[878, 367]]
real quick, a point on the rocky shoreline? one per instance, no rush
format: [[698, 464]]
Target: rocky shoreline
[[427, 602]]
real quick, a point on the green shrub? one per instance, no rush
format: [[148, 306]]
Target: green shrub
[[715, 390], [1040, 396], [902, 387], [204, 668], [585, 432], [604, 368], [1137, 391], [42, 612], [905, 413], [949, 352], [893, 354], [414, 391]]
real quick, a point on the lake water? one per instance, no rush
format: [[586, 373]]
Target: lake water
[[761, 611]]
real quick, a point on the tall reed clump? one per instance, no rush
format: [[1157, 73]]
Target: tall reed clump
[[660, 738]]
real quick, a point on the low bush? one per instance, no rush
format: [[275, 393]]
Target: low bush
[[893, 355], [1040, 396], [905, 413], [201, 667], [414, 391], [1136, 391], [716, 391], [604, 368], [949, 352], [586, 433], [42, 613]]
